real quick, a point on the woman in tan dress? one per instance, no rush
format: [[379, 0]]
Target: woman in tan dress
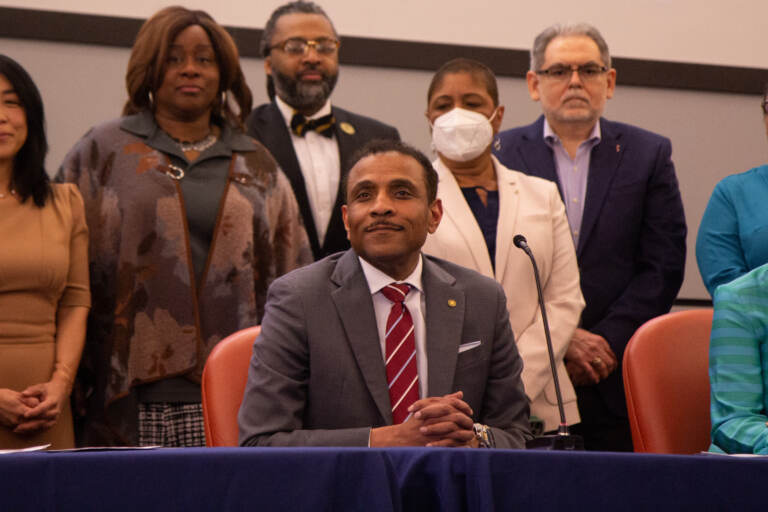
[[44, 295]]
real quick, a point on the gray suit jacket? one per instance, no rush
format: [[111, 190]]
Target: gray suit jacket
[[317, 375]]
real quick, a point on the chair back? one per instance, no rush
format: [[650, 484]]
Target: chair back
[[223, 385], [666, 382]]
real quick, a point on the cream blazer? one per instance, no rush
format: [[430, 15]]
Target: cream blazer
[[532, 207]]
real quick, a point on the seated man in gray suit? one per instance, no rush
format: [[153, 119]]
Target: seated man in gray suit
[[381, 345]]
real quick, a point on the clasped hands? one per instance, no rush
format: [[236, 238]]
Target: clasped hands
[[435, 421], [35, 408], [589, 358]]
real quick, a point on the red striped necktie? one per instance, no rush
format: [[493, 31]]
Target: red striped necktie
[[402, 373]]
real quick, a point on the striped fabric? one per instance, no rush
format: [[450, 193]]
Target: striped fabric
[[402, 372], [738, 377]]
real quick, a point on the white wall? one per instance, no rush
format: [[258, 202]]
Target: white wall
[[713, 134], [703, 31]]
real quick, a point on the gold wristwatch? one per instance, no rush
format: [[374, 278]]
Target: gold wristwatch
[[483, 435]]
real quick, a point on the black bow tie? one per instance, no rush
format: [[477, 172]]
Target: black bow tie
[[322, 125]]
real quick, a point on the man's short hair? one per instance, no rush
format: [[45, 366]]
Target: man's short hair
[[378, 146], [299, 6], [577, 29]]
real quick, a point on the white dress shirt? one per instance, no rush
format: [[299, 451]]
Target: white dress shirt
[[320, 165], [415, 301]]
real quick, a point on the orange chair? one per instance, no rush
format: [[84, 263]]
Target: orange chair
[[224, 377], [666, 382]]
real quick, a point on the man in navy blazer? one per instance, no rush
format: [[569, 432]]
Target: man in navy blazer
[[312, 141], [624, 209]]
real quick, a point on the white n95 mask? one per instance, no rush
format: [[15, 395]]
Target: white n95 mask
[[461, 135]]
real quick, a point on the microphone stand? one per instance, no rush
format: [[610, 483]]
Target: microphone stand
[[563, 440]]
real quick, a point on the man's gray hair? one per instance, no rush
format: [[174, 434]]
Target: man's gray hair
[[299, 6], [576, 29]]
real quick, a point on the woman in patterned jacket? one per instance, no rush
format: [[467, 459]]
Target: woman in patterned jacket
[[190, 222]]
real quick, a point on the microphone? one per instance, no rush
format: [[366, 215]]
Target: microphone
[[563, 440]]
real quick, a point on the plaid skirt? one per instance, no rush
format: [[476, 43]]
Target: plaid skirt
[[171, 424]]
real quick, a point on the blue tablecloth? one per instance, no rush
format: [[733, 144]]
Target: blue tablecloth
[[375, 479]]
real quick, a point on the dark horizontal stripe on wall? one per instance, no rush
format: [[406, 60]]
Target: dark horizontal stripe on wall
[[386, 53]]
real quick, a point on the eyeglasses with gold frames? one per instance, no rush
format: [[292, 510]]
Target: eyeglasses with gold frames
[[299, 46]]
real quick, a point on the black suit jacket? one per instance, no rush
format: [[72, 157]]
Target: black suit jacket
[[266, 124], [631, 249]]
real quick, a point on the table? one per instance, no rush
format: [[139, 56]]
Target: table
[[214, 479]]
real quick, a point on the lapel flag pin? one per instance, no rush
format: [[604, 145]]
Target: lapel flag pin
[[347, 128], [618, 148], [451, 303]]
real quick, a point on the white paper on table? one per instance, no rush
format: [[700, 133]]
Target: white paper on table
[[30, 449]]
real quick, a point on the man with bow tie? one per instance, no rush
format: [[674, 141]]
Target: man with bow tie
[[381, 345], [311, 140]]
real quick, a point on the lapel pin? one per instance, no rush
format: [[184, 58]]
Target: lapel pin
[[618, 148], [347, 128], [451, 303]]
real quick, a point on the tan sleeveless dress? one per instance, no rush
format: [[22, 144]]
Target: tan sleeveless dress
[[43, 266]]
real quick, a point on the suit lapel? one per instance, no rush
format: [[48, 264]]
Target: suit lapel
[[509, 201], [445, 319], [538, 157], [348, 144], [460, 215], [603, 164], [353, 302], [347, 136], [273, 133]]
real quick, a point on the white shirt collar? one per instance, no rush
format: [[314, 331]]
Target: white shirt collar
[[288, 110], [377, 279]]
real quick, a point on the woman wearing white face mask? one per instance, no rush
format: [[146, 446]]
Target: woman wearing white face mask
[[485, 205]]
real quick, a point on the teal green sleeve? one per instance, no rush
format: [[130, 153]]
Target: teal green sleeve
[[737, 376], [718, 244], [733, 233]]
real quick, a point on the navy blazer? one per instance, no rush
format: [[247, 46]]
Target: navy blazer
[[631, 250], [266, 124]]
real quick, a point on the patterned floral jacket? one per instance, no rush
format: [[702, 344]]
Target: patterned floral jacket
[[150, 320]]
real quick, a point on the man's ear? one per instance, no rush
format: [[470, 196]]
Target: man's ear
[[435, 214], [533, 85], [344, 218], [611, 76]]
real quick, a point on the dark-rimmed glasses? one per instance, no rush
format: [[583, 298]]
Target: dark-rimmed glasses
[[561, 73], [298, 46]]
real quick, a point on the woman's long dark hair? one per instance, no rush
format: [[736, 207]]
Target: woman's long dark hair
[[28, 178]]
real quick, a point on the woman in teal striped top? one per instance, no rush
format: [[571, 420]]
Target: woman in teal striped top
[[738, 377]]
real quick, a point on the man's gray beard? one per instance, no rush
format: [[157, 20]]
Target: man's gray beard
[[303, 96]]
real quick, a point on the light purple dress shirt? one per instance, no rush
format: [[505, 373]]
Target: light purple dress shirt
[[572, 174]]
